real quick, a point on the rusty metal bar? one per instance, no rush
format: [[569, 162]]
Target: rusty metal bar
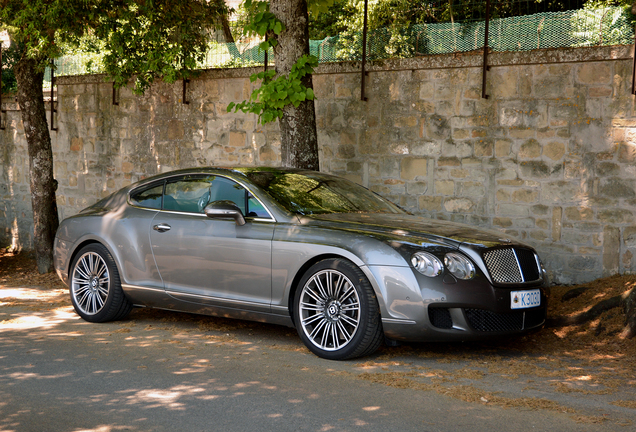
[[53, 110], [1, 110], [364, 51], [185, 88], [486, 68], [634, 65], [115, 102]]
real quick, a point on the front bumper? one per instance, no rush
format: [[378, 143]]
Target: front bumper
[[420, 309]]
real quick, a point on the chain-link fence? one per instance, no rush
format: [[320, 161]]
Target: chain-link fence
[[574, 28], [607, 26]]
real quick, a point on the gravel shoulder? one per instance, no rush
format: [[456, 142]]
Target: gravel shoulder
[[582, 375]]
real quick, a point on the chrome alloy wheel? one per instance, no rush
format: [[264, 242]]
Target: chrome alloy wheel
[[90, 283], [329, 310]]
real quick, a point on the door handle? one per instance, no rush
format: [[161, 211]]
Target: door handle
[[162, 227]]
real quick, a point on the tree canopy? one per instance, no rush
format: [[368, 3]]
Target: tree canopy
[[143, 40]]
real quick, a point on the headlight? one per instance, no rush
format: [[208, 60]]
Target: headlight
[[427, 264], [460, 266]]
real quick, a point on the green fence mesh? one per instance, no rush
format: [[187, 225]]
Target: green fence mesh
[[576, 28]]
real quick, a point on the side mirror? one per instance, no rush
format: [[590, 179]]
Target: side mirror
[[224, 209]]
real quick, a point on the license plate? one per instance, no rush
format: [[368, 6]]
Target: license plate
[[525, 299]]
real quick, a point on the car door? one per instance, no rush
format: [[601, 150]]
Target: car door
[[213, 261]]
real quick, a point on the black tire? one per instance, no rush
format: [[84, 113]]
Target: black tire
[[336, 311], [95, 286]]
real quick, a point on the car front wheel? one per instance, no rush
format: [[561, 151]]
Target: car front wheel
[[336, 311], [95, 287]]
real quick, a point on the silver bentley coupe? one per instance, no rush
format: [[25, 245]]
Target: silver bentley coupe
[[347, 268]]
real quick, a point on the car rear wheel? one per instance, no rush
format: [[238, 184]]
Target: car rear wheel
[[95, 287], [336, 311]]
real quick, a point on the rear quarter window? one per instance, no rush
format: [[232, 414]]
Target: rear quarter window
[[148, 198]]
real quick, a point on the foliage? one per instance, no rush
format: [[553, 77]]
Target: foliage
[[614, 23], [268, 100], [140, 40], [9, 58], [161, 38], [329, 23]]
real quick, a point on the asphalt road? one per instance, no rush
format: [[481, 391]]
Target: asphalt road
[[176, 372]]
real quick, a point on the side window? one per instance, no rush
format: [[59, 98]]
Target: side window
[[187, 194], [149, 198], [256, 209], [223, 189]]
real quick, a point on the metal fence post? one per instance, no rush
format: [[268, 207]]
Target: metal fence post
[[115, 102], [486, 68], [53, 110], [364, 50], [185, 88], [1, 110], [634, 65]]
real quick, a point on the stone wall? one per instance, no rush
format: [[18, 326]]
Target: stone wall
[[548, 158]]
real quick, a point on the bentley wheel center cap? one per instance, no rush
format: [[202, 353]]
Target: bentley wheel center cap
[[333, 310]]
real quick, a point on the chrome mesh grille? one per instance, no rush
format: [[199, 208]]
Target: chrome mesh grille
[[508, 265]]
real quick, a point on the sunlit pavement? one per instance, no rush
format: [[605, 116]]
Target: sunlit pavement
[[167, 371]]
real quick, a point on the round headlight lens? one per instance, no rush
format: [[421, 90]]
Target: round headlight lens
[[427, 264], [460, 266]]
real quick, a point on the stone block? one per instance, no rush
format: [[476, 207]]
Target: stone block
[[615, 216], [531, 149], [539, 169], [627, 152], [611, 250], [502, 222], [554, 150], [427, 90], [483, 148], [458, 205], [448, 162], [436, 127], [502, 195], [238, 139], [512, 210], [550, 87], [594, 73], [445, 187], [413, 168], [460, 134], [522, 133], [617, 188], [502, 148], [460, 173], [416, 188], [525, 196], [629, 236], [430, 203], [579, 213], [77, 144], [502, 83], [576, 238], [560, 192], [585, 263], [426, 148]]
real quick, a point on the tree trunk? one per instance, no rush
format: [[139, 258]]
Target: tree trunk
[[45, 218], [299, 140], [629, 306]]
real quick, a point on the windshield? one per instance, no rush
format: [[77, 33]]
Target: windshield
[[316, 193]]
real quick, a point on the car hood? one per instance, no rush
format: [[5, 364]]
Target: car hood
[[413, 229]]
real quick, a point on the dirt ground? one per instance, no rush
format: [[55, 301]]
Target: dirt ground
[[560, 369]]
